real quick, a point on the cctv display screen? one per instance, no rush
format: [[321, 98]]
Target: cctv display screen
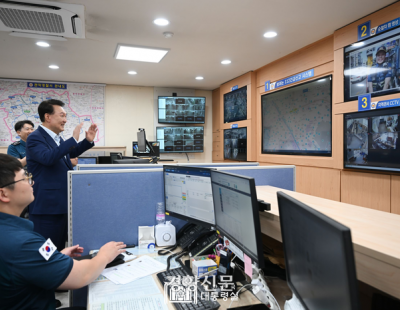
[[237, 214], [371, 140], [181, 139], [235, 105], [178, 110], [188, 193], [372, 66], [155, 145], [235, 144], [298, 120]]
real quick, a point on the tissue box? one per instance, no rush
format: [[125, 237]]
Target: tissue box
[[200, 267], [146, 237]]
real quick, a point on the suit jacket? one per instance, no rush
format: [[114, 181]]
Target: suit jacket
[[48, 165]]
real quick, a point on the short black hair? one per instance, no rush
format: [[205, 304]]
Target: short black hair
[[9, 165], [18, 125], [47, 107]]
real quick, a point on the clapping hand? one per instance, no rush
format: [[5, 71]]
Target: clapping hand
[[91, 132]]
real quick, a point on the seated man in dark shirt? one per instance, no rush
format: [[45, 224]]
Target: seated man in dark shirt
[[31, 268]]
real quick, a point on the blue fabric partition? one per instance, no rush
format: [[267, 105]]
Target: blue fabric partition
[[283, 177], [155, 166], [110, 205]]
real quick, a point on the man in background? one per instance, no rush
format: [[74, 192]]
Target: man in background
[[18, 148], [48, 157]]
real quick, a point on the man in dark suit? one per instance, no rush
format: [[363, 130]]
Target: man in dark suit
[[48, 158]]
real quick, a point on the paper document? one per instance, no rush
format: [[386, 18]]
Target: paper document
[[155, 302], [105, 291], [128, 272], [141, 294]]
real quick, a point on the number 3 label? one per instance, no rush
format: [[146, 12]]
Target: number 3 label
[[364, 30], [364, 102]]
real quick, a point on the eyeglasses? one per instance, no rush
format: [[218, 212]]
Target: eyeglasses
[[28, 177]]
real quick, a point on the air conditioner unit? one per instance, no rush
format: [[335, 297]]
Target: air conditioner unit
[[42, 19]]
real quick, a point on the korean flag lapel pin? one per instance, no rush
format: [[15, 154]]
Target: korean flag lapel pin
[[47, 249]]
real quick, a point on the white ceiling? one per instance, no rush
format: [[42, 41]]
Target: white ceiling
[[205, 33]]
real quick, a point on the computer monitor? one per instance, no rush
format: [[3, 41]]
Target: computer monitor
[[104, 160], [141, 137], [319, 257], [115, 156], [132, 161], [148, 153], [188, 194], [237, 215], [87, 160]]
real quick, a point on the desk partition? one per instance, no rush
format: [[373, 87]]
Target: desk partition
[[109, 205], [155, 166]]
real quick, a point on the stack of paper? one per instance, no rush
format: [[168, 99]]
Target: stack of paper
[[138, 295], [128, 272]]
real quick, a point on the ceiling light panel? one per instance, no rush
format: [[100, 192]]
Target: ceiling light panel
[[140, 53]]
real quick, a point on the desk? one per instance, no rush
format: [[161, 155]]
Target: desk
[[246, 298], [375, 235]]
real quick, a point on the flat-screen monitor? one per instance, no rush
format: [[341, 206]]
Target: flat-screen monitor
[[148, 153], [319, 257], [141, 137], [181, 139], [128, 161], [298, 120], [87, 160], [115, 155], [372, 66], [104, 160], [188, 194], [235, 105], [237, 214], [371, 140], [179, 110], [235, 144]]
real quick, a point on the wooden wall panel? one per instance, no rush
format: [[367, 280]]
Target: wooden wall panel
[[309, 57], [395, 194], [366, 189], [319, 182], [3, 149], [348, 35], [215, 110], [338, 83]]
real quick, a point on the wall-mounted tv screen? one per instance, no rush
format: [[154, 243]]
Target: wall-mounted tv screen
[[372, 66], [298, 120], [180, 110], [371, 140], [235, 144], [181, 139], [235, 105]]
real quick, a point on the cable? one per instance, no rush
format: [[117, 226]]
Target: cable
[[239, 292], [170, 257], [169, 249]]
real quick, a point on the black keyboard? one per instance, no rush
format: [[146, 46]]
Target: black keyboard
[[200, 304], [189, 237], [205, 247]]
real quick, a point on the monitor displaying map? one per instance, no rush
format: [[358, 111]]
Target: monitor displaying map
[[371, 140], [298, 120], [178, 110], [181, 139], [235, 105], [235, 144]]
